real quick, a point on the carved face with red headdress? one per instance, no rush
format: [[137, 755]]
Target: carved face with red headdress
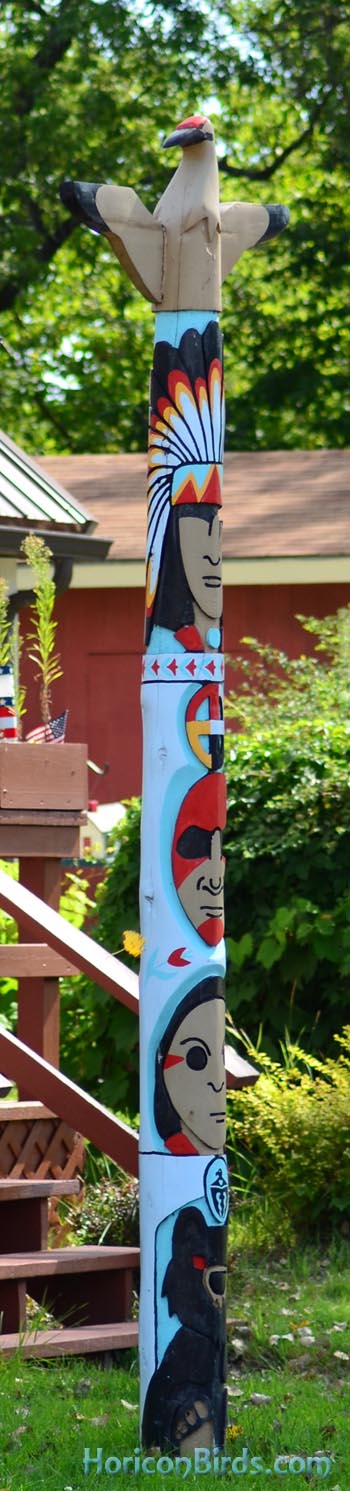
[[197, 860]]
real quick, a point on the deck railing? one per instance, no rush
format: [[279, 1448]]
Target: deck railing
[[73, 1105]]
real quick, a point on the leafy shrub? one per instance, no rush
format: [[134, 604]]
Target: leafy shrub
[[108, 1214], [289, 1157], [289, 1138]]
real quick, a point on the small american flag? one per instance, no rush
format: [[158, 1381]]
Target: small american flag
[[52, 733], [8, 722]]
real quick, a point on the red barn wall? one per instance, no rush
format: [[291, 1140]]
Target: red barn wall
[[100, 638]]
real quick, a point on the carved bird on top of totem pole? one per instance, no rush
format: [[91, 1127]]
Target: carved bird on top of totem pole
[[179, 255]]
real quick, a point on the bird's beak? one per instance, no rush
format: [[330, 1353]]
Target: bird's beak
[[192, 136]]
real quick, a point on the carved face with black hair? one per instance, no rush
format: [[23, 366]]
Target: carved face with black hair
[[189, 596], [190, 1082], [198, 863]]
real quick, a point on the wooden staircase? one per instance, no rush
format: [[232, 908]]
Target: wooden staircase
[[88, 1290]]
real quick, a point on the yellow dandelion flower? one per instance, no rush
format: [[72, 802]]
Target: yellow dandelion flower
[[133, 943], [233, 1430]]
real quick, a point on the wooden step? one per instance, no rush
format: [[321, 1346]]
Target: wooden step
[[69, 1341], [24, 1210], [87, 1259], [28, 1190], [81, 1286]]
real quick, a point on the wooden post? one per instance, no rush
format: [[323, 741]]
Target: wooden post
[[178, 258], [38, 1021]]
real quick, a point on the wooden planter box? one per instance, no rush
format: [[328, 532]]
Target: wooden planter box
[[42, 776], [43, 793]]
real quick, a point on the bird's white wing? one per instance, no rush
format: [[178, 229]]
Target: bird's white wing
[[242, 225], [137, 239]]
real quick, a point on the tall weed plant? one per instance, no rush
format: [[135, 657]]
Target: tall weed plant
[[43, 633], [5, 643]]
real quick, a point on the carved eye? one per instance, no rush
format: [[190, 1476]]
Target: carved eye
[[196, 1058]]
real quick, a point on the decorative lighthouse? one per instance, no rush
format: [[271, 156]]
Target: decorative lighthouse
[[178, 258]]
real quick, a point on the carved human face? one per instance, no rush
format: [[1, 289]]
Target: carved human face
[[194, 1075], [201, 892], [201, 553]]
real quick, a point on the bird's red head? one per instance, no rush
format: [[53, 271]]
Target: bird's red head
[[195, 121], [191, 131]]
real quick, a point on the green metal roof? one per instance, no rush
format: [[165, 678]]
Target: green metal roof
[[30, 498]]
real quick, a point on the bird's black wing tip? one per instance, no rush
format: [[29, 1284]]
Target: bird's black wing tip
[[80, 199], [278, 220], [69, 194]]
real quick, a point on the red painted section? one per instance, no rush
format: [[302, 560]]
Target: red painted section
[[100, 639]]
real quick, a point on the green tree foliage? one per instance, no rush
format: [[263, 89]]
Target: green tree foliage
[[88, 89], [287, 846], [289, 111]]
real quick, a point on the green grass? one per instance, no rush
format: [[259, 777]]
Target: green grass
[[47, 1410]]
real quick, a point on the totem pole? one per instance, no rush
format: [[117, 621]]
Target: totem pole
[[178, 258]]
